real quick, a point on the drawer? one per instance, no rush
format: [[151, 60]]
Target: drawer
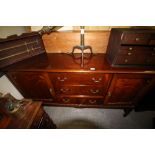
[[128, 60], [80, 90], [135, 50], [80, 100], [135, 38], [79, 78]]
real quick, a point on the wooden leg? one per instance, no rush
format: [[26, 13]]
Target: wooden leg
[[127, 111]]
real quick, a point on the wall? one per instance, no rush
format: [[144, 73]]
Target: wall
[[5, 85], [10, 30]]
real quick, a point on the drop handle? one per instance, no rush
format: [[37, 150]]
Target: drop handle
[[92, 101], [97, 80], [94, 91], [62, 79], [66, 100], [64, 90]]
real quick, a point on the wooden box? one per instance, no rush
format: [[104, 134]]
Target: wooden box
[[131, 47]]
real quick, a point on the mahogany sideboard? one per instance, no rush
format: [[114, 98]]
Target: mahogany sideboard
[[58, 80]]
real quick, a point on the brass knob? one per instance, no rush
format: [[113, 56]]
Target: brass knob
[[129, 53], [126, 60], [130, 48], [137, 39]]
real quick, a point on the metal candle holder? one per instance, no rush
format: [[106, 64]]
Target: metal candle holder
[[82, 46]]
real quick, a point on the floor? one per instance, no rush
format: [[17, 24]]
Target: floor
[[91, 118]]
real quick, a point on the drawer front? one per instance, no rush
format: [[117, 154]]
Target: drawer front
[[128, 60], [136, 51], [79, 78], [80, 101], [135, 38], [80, 90]]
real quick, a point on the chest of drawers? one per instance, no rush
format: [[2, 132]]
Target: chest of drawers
[[131, 47], [105, 87], [80, 88]]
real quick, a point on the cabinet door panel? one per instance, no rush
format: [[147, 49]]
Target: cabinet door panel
[[31, 85], [126, 87]]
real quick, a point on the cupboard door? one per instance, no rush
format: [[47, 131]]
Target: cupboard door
[[126, 88], [32, 85]]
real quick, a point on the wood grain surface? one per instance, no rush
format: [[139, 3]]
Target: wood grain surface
[[63, 42]]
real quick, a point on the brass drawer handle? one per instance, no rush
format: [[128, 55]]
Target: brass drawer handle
[[62, 79], [64, 90], [66, 100], [92, 101], [94, 91], [97, 81], [137, 39]]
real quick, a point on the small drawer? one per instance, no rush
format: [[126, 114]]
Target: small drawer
[[79, 78], [126, 60], [80, 90], [135, 50], [135, 38]]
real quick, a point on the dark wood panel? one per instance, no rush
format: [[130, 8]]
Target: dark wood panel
[[32, 85], [125, 88], [16, 48]]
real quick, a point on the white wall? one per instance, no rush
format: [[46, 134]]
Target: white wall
[[5, 85]]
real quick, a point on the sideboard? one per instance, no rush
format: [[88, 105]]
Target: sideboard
[[58, 80]]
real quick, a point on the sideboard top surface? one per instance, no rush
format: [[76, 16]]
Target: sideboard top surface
[[62, 62]]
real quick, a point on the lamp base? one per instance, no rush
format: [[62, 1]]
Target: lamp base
[[82, 48]]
